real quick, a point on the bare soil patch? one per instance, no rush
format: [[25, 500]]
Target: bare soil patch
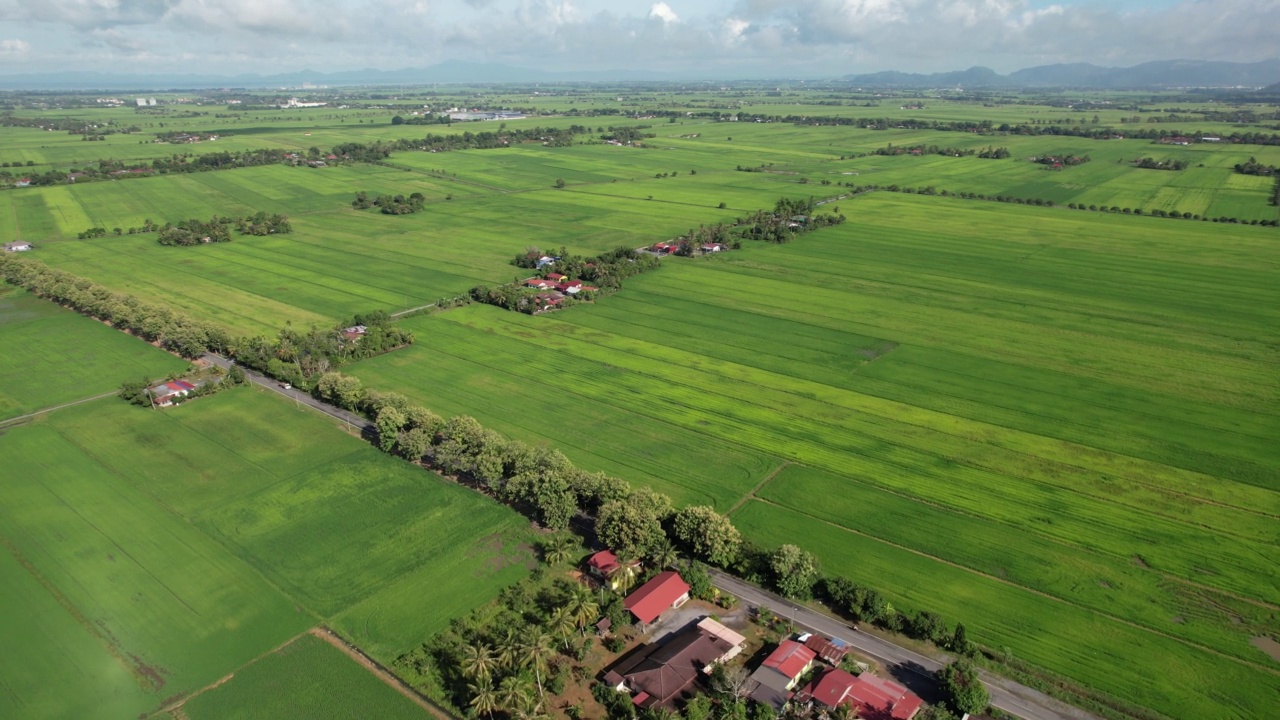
[[1267, 645]]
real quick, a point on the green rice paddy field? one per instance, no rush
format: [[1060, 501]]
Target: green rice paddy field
[[308, 678], [50, 355], [1061, 433], [1056, 426], [148, 554]]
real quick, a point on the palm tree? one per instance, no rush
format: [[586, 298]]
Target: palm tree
[[624, 578], [512, 694], [663, 554], [536, 652], [477, 661], [561, 624], [483, 697], [583, 607], [510, 650], [558, 548]]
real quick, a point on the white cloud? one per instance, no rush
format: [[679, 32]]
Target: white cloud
[[14, 47], [663, 12], [762, 37]]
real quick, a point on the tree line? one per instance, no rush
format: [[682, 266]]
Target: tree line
[[390, 204], [218, 229], [894, 150], [1150, 163], [175, 332], [1253, 167], [292, 356]]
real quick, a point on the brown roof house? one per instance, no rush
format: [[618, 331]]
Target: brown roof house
[[660, 674]]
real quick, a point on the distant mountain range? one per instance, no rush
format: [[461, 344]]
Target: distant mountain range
[[1158, 74]]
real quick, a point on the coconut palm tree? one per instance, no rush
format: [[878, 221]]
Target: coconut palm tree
[[558, 548], [663, 554], [537, 652], [484, 700], [561, 625], [584, 608], [477, 661], [513, 695], [625, 577], [510, 650]]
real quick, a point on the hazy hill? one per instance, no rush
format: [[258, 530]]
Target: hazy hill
[[1158, 74]]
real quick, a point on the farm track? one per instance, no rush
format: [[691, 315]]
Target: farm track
[[1033, 591], [380, 672], [176, 706], [42, 411], [752, 494]]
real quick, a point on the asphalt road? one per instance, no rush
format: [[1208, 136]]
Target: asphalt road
[[296, 395], [1006, 694]]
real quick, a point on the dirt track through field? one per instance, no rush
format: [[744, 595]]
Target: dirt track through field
[[330, 637], [175, 707]]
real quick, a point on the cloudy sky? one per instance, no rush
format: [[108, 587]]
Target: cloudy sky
[[702, 38]]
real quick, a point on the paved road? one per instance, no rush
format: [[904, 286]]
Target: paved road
[[1006, 694], [296, 395]]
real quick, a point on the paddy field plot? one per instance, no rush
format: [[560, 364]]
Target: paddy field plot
[[307, 678], [50, 355], [154, 552], [337, 261], [1072, 416]]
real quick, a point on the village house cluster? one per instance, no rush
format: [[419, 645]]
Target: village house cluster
[[666, 670], [556, 288]]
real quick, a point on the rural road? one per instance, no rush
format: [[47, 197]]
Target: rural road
[[1006, 694], [297, 395]]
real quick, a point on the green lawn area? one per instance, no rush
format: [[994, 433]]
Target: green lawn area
[[50, 355], [307, 678], [161, 550]]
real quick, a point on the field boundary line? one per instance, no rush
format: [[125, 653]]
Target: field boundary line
[[177, 704], [42, 411], [1033, 591], [373, 666], [752, 492]]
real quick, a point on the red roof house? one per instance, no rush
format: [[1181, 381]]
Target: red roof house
[[555, 277], [603, 563], [791, 659], [665, 591], [872, 697]]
